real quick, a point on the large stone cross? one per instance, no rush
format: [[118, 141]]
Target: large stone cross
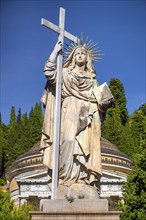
[[62, 33]]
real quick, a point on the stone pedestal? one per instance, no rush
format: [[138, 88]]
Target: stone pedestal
[[80, 209]]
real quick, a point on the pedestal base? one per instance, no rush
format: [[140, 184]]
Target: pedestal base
[[76, 210]]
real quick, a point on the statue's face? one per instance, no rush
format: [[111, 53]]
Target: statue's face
[[80, 56]]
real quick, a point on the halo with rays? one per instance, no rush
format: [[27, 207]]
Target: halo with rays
[[88, 45]]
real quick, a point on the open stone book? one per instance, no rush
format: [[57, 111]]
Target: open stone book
[[103, 93]]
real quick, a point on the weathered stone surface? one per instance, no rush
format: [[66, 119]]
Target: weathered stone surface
[[75, 216], [82, 191], [79, 209], [77, 191], [61, 192], [75, 206]]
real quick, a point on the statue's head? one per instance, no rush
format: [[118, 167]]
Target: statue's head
[[82, 53], [80, 56]]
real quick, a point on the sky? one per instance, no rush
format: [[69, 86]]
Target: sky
[[118, 26]]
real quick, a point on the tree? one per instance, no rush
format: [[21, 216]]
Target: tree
[[29, 130], [11, 137], [127, 142], [9, 212], [143, 109], [3, 146], [12, 118], [112, 128], [23, 133], [22, 144], [6, 205], [138, 126], [118, 92], [134, 193], [22, 212], [19, 116], [35, 124]]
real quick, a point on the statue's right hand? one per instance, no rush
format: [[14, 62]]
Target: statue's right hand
[[58, 47]]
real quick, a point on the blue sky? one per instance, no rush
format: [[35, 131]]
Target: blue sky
[[118, 26]]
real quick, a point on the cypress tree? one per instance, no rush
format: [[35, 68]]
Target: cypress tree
[[127, 142], [118, 92], [35, 124], [19, 116], [11, 137], [138, 126], [18, 126], [112, 128], [22, 142], [30, 129], [12, 123], [3, 146]]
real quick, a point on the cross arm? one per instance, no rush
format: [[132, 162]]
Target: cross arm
[[55, 28]]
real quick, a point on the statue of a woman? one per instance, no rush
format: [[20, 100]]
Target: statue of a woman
[[81, 117]]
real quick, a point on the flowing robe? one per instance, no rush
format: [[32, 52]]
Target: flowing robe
[[80, 153]]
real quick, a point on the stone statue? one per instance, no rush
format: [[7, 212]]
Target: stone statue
[[81, 118]]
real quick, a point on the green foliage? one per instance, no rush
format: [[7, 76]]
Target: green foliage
[[2, 181], [127, 142], [3, 146], [29, 130], [120, 101], [112, 127], [19, 136], [6, 206], [115, 132], [22, 212], [116, 117], [12, 118], [11, 139], [19, 116], [143, 109], [134, 194], [138, 126], [35, 124], [9, 212]]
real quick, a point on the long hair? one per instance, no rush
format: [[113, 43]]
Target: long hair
[[70, 61]]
